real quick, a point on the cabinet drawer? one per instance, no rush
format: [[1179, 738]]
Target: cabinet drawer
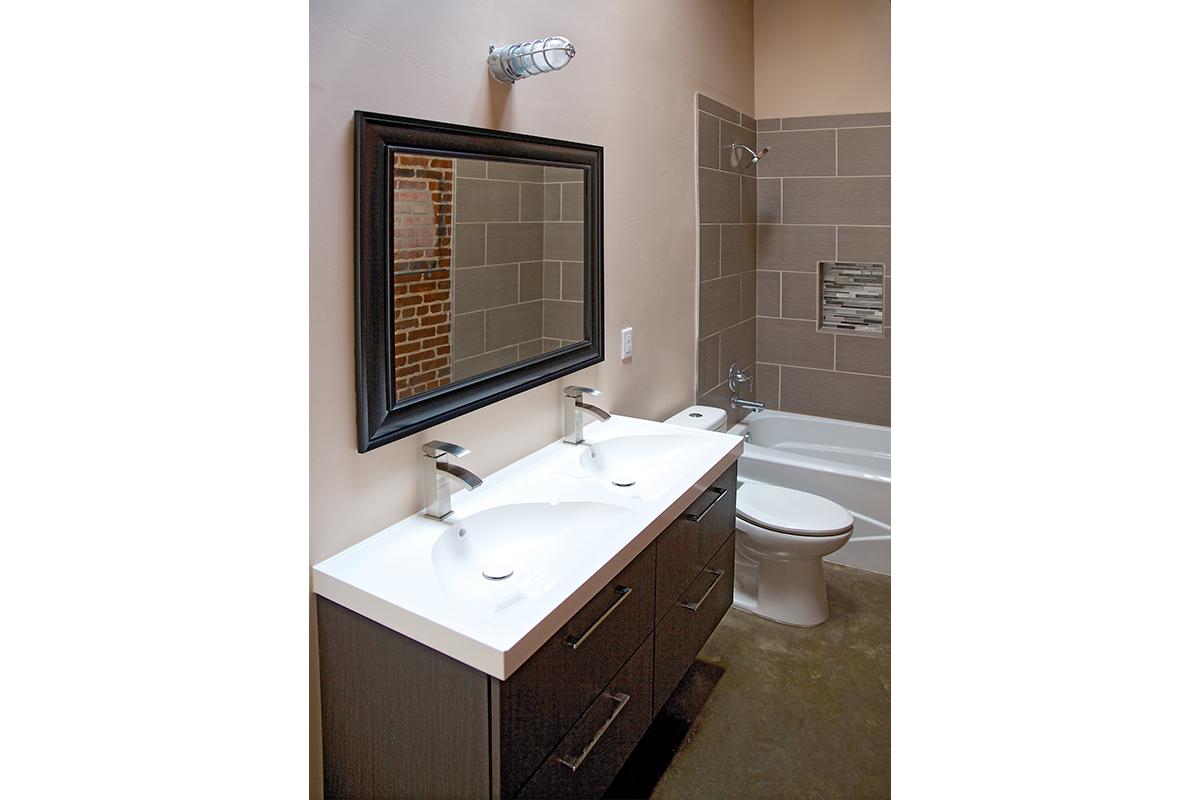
[[692, 540], [690, 621], [592, 752], [549, 693]]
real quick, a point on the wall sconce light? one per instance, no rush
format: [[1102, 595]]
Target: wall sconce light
[[511, 62]]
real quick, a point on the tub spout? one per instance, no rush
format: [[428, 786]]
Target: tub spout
[[753, 405]]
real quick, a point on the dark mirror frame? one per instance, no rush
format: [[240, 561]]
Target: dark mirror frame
[[381, 419]]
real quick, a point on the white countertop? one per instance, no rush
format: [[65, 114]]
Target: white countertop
[[391, 578]]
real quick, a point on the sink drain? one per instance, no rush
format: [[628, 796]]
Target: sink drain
[[623, 483], [497, 572]]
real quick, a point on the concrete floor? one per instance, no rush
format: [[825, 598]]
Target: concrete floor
[[769, 710]]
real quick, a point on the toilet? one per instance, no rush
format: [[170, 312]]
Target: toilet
[[782, 536]]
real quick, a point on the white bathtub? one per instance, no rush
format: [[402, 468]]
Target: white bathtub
[[848, 462]]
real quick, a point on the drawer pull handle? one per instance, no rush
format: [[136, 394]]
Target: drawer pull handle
[[697, 517], [577, 762], [573, 642], [696, 605]]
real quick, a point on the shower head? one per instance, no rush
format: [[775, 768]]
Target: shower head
[[754, 157]]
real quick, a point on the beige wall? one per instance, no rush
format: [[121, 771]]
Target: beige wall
[[814, 57], [631, 89]]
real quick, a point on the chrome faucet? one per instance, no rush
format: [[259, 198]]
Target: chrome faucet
[[736, 379], [573, 408], [436, 475]]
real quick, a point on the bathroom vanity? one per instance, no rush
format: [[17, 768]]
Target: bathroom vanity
[[438, 682]]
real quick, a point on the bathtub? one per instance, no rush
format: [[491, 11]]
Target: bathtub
[[848, 462]]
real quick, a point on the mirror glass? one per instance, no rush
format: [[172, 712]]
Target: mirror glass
[[487, 266]]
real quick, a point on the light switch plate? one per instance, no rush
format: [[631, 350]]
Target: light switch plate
[[626, 343]]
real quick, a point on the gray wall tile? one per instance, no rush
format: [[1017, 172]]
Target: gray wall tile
[[467, 247], [870, 245], [749, 121], [770, 200], [552, 202], [510, 325], [799, 296], [795, 248], [749, 295], [768, 291], [837, 201], [530, 281], [796, 153], [766, 384], [466, 335], [512, 171], [482, 363], [864, 151], [529, 349], [551, 280], [717, 109], [564, 175], [749, 199], [737, 346], [735, 134], [720, 304], [572, 202], [572, 280], [710, 251], [533, 202], [708, 140], [869, 354], [486, 201], [563, 319], [515, 241], [794, 342], [484, 287], [768, 124], [841, 395], [720, 196], [738, 249], [564, 241], [470, 168], [708, 353], [837, 121]]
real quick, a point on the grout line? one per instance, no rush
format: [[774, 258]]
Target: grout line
[[817, 224], [512, 180], [838, 128], [822, 369]]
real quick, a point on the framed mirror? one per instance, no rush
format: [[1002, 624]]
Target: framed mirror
[[479, 268]]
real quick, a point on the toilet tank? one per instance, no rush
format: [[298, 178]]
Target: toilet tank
[[705, 417]]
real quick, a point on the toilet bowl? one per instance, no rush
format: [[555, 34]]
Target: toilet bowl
[[782, 536]]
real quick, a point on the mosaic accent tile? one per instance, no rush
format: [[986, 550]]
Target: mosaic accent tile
[[852, 297]]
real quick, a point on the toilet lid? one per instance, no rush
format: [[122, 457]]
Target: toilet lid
[[791, 511]]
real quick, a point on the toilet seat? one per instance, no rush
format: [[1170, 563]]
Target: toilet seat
[[790, 511]]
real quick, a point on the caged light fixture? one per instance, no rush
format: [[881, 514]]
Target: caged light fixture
[[511, 62]]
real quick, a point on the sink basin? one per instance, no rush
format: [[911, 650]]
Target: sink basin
[[505, 557], [641, 466]]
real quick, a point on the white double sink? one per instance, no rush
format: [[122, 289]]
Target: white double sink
[[523, 553]]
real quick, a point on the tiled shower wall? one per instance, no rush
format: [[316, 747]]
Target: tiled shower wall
[[509, 302], [727, 200], [823, 195]]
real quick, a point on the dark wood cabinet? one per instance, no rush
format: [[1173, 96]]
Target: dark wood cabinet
[[689, 622], [547, 695], [402, 720]]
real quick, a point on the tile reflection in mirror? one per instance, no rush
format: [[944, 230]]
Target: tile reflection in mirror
[[487, 261]]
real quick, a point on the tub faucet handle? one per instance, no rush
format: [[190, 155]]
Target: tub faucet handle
[[736, 376]]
